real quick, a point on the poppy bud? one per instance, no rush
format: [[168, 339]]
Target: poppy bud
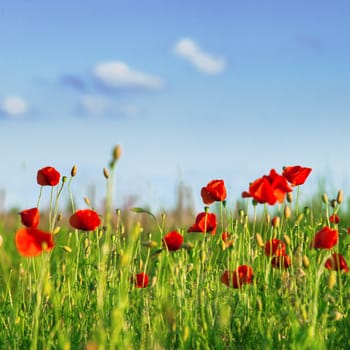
[[149, 244], [275, 222], [0, 240], [332, 280], [64, 179], [340, 197], [287, 212], [299, 218], [56, 230], [259, 240], [286, 239], [87, 201], [59, 217], [67, 249], [106, 173], [74, 170], [189, 267], [334, 203], [325, 198], [117, 151], [306, 261], [289, 197]]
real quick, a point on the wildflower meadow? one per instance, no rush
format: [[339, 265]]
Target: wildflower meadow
[[270, 272]]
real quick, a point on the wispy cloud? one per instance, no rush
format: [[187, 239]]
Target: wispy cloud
[[74, 81], [13, 107], [97, 106], [118, 75], [203, 61]]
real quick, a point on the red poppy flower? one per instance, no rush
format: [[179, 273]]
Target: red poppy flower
[[30, 217], [334, 219], [141, 280], [326, 238], [32, 241], [269, 189], [237, 278], [85, 219], [281, 261], [215, 191], [275, 247], [173, 240], [48, 176], [205, 222], [336, 262], [296, 175], [225, 236]]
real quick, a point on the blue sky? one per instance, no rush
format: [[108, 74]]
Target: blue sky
[[191, 90]]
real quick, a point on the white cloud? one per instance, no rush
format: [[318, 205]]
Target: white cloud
[[100, 106], [13, 106], [117, 74], [203, 61], [94, 105]]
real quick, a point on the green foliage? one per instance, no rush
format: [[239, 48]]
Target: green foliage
[[82, 294]]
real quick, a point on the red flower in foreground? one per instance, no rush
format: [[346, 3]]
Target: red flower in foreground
[[296, 175], [85, 219], [326, 238], [269, 189], [32, 241], [205, 222], [215, 191], [30, 217], [336, 262], [334, 219], [237, 278], [281, 261], [275, 247], [173, 240], [141, 280], [48, 176]]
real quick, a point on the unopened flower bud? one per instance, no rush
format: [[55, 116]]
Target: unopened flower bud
[[289, 197], [259, 240], [59, 217], [64, 179], [67, 249], [286, 239], [87, 201], [332, 280], [340, 197], [106, 173], [287, 213], [325, 198], [117, 151], [299, 218], [74, 170], [334, 203], [306, 261], [275, 222]]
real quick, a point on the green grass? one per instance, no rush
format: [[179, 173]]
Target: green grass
[[81, 294]]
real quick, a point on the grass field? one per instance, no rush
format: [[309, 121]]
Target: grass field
[[84, 294]]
